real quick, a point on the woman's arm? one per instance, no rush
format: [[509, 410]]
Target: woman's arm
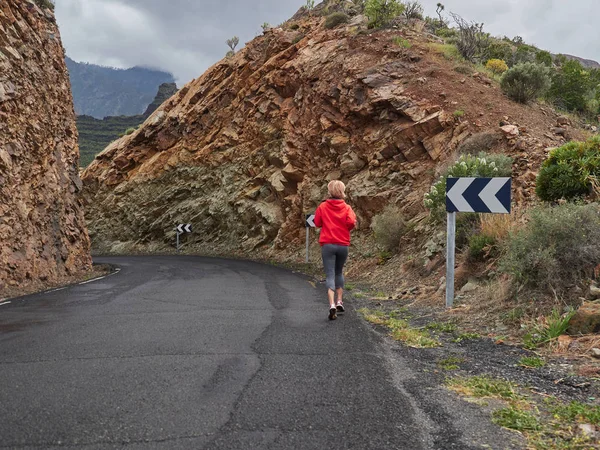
[[318, 218], [350, 219]]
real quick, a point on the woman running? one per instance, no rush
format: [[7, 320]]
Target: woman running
[[336, 219]]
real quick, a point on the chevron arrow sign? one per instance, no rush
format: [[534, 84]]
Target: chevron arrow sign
[[184, 228], [479, 195], [310, 221]]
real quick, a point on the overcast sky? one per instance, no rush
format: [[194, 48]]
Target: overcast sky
[[186, 37]]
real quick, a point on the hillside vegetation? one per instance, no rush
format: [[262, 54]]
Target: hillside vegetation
[[95, 134], [105, 91]]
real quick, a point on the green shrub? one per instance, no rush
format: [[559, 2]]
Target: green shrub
[[556, 247], [499, 49], [446, 33], [402, 42], [478, 244], [478, 143], [381, 12], [497, 66], [45, 4], [495, 165], [544, 57], [525, 82], [129, 131], [570, 86], [335, 19], [413, 10], [570, 171], [388, 228]]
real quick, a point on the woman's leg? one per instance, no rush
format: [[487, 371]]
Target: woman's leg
[[340, 260], [329, 263]]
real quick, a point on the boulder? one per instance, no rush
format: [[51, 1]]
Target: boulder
[[510, 131], [586, 320]]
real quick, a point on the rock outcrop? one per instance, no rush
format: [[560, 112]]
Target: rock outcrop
[[42, 230], [246, 149]]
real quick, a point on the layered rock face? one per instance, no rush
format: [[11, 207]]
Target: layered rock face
[[246, 149], [42, 229]]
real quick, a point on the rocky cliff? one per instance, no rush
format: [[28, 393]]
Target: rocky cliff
[[42, 230], [246, 149]]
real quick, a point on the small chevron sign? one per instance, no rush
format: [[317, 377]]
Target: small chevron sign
[[310, 221], [479, 195], [184, 228]]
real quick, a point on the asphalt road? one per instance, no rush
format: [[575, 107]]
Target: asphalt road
[[197, 353]]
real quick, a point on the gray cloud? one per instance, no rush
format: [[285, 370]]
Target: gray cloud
[[187, 36]]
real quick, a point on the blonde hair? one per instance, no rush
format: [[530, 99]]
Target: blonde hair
[[337, 189]]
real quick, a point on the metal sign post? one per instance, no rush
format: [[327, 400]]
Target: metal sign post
[[180, 229], [450, 252], [309, 223], [475, 195]]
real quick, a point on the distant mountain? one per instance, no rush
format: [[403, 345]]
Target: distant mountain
[[96, 134], [104, 91], [587, 63]]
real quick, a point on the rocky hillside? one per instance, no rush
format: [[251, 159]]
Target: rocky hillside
[[96, 134], [246, 149], [42, 230], [105, 91]]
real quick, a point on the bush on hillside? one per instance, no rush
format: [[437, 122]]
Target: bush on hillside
[[526, 82], [495, 165], [472, 42], [497, 66], [478, 143], [129, 131], [45, 4], [544, 57], [499, 49], [388, 228], [558, 246], [381, 12], [570, 171], [571, 85], [413, 10], [335, 19]]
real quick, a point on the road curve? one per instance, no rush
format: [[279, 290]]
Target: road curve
[[189, 352]]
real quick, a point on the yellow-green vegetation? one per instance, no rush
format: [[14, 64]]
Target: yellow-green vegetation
[[402, 42], [547, 329], [548, 424], [484, 387], [466, 336], [516, 419], [448, 51], [496, 66], [349, 287], [532, 362], [571, 171], [458, 113], [450, 363], [400, 330]]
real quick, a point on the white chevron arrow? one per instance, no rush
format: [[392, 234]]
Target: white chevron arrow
[[488, 195], [310, 220], [456, 194]]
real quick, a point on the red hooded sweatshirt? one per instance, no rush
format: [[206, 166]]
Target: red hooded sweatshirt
[[336, 219]]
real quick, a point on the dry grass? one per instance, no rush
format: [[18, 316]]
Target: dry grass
[[497, 226]]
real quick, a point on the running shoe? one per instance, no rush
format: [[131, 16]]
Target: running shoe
[[332, 313], [340, 307]]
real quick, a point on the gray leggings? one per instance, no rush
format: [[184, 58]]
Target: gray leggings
[[334, 258]]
